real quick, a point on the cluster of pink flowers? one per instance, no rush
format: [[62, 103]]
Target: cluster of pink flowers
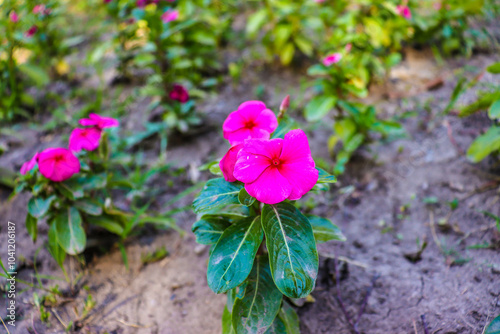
[[59, 164], [179, 93], [334, 58], [144, 3], [404, 11], [271, 169], [38, 9]]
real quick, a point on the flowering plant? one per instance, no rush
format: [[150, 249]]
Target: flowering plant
[[71, 190], [262, 246]]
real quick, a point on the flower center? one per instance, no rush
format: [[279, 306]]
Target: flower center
[[250, 124], [58, 158], [276, 162]]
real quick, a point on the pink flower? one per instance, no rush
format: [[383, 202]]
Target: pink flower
[[277, 169], [319, 1], [87, 139], [404, 11], [179, 93], [348, 47], [13, 16], [31, 31], [332, 59], [58, 164], [38, 9], [170, 15], [99, 122], [107, 1], [29, 165], [228, 161], [251, 120], [141, 3]]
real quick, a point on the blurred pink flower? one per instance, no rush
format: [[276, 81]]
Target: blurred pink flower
[[141, 3], [87, 139], [58, 164], [179, 93], [285, 104], [251, 120], [228, 161], [404, 11], [170, 15], [107, 1], [277, 169], [29, 165], [99, 122], [31, 31], [13, 16], [332, 59], [319, 1], [348, 47], [38, 9]]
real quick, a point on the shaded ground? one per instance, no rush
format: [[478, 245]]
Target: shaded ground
[[378, 204]]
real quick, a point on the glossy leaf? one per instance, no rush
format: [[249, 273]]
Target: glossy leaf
[[109, 222], [245, 198], [232, 258], [38, 207], [209, 230], [484, 145], [31, 226], [324, 230], [494, 111], [494, 68], [493, 327], [292, 249], [319, 107], [89, 206], [217, 193], [227, 325], [255, 22], [256, 311], [325, 177], [290, 319], [54, 248], [277, 327], [70, 189], [70, 233]]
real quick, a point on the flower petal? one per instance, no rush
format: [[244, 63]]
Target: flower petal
[[267, 121], [29, 165], [301, 178], [250, 110], [233, 122], [228, 161], [296, 148], [270, 187], [58, 164], [87, 139]]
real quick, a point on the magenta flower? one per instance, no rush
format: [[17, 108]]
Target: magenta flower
[[179, 93], [170, 15], [13, 16], [86, 139], [29, 165], [31, 31], [348, 47], [38, 9], [58, 164], [228, 161], [107, 1], [277, 169], [141, 3], [332, 59], [99, 122], [251, 120], [404, 11]]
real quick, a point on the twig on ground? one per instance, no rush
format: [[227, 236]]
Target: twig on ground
[[365, 301], [33, 324], [339, 297], [452, 139], [130, 325], [60, 320], [4, 325], [424, 324], [345, 259], [433, 230], [485, 187], [415, 326]]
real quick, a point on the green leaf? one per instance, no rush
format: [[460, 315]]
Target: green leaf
[[217, 193], [494, 68], [35, 73], [286, 54], [290, 319], [292, 249], [319, 107], [494, 326], [304, 45], [325, 177], [277, 327], [70, 189], [208, 230], [324, 230], [107, 222], [89, 206], [232, 258], [494, 111], [485, 144], [245, 198], [227, 326], [255, 22], [54, 248], [256, 311], [38, 207], [31, 226], [70, 233], [483, 102], [281, 35]]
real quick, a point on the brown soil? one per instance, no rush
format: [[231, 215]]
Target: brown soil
[[378, 204]]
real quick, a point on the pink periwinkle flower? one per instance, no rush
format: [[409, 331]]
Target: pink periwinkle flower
[[56, 164], [29, 165], [179, 93], [228, 161], [107, 1], [404, 11], [348, 47], [86, 139], [332, 59], [251, 120], [31, 31], [170, 15], [13, 16], [38, 9], [277, 169], [141, 3], [99, 122]]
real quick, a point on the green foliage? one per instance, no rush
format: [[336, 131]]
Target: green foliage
[[493, 327]]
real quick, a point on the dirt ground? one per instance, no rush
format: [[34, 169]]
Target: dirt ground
[[378, 203]]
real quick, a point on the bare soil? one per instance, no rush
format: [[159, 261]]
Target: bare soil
[[378, 203]]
